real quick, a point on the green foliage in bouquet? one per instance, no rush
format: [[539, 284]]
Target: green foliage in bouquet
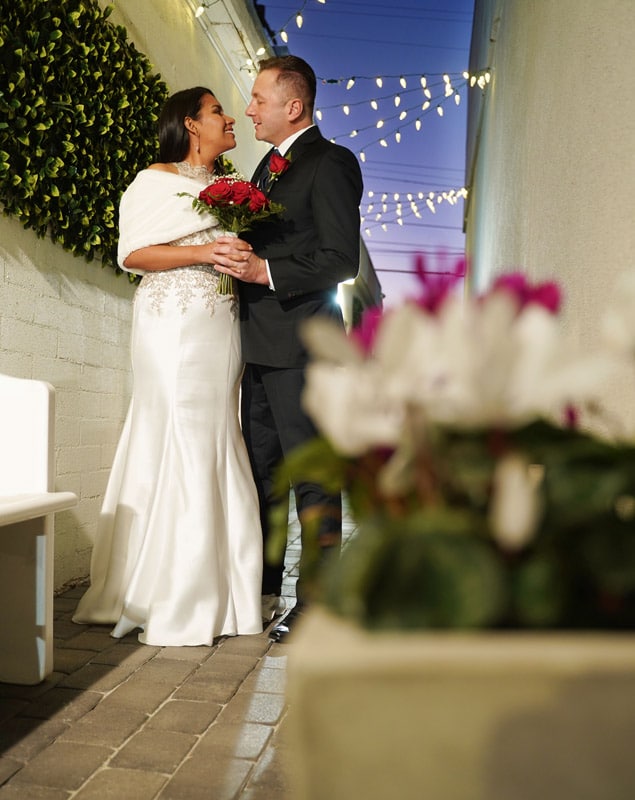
[[78, 115]]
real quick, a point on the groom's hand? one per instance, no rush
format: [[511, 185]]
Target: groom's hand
[[236, 258]]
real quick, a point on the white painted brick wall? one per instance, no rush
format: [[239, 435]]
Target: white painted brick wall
[[67, 321]]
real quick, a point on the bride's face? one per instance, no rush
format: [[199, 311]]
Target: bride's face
[[215, 127]]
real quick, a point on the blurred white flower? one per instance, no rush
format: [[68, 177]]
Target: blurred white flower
[[515, 507], [349, 406], [470, 364]]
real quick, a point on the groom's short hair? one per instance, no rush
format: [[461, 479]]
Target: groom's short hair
[[297, 73]]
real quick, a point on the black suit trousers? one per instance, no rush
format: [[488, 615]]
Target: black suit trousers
[[273, 425]]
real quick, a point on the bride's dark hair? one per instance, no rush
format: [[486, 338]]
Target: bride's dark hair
[[173, 137]]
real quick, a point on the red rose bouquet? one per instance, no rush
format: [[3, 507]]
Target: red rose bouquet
[[237, 204]]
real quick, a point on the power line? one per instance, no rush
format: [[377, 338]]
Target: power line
[[387, 42]]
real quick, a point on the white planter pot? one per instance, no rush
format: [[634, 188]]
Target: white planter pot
[[460, 716]]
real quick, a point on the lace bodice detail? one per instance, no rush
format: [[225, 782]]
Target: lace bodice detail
[[187, 282]]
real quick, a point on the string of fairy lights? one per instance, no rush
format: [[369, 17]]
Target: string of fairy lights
[[408, 105], [446, 88], [399, 105]]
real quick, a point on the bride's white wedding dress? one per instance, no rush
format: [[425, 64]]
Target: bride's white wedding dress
[[178, 551]]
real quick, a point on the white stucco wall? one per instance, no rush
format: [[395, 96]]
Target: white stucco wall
[[553, 172], [68, 321]]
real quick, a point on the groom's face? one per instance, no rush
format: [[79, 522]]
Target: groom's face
[[269, 108]]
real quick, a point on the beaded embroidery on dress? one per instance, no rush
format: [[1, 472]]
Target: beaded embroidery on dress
[[178, 551]]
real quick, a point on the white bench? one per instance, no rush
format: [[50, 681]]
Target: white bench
[[27, 506]]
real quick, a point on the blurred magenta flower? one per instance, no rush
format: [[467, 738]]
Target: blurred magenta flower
[[548, 294]]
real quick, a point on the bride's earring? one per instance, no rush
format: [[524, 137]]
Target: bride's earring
[[198, 145]]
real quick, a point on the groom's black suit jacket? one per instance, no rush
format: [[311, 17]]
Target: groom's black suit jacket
[[311, 248]]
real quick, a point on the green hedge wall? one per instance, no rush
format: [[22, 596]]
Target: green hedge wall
[[78, 117]]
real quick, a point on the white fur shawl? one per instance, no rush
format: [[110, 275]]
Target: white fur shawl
[[150, 212]]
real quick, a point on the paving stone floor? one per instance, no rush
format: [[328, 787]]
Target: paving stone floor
[[125, 721]]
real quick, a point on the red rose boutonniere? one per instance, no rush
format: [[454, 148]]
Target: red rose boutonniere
[[278, 165]]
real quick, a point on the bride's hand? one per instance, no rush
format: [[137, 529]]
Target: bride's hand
[[235, 257], [228, 249]]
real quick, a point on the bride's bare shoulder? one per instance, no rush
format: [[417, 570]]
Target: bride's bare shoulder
[[161, 167]]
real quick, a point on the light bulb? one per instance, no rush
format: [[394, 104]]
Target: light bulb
[[284, 36], [373, 104], [379, 82], [298, 19], [383, 143], [457, 98], [351, 83], [397, 101], [440, 110], [380, 123], [424, 82], [403, 115], [199, 11], [402, 81], [362, 157], [318, 114], [346, 110]]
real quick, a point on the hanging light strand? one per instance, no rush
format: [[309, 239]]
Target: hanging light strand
[[296, 17], [445, 92], [408, 210]]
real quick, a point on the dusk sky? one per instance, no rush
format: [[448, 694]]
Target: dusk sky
[[400, 43]]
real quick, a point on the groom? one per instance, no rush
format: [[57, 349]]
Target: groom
[[290, 275]]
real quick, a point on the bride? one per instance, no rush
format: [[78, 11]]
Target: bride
[[178, 551]]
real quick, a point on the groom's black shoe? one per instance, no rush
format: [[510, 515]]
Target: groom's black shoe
[[280, 632]]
